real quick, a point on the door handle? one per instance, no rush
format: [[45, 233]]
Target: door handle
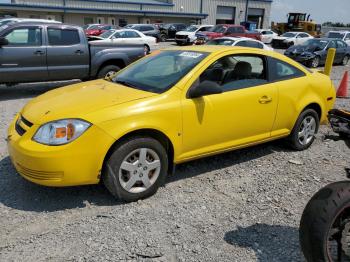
[[265, 100], [39, 52], [79, 52]]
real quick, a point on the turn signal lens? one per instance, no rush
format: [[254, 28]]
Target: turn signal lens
[[61, 132]]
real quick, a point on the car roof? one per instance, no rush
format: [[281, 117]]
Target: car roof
[[19, 24]]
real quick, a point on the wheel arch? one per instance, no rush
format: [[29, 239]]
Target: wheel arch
[[148, 132], [315, 106]]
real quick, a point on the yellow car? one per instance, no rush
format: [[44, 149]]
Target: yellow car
[[168, 108]]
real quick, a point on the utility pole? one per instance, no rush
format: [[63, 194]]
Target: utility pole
[[246, 10]]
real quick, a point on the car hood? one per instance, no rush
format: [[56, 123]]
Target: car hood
[[76, 101], [301, 49], [282, 38], [185, 33]]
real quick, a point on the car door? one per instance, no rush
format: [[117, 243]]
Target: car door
[[24, 58], [243, 114], [67, 54], [341, 50], [134, 38], [331, 44], [301, 38], [292, 85]]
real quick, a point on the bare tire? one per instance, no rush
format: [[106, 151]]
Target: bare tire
[[107, 71], [136, 169], [305, 129], [324, 230], [345, 60]]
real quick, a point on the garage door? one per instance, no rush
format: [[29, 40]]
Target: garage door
[[225, 15]]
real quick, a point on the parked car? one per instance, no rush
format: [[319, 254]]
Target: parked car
[[313, 53], [342, 35], [290, 38], [226, 30], [146, 29], [267, 35], [239, 41], [188, 36], [8, 21], [96, 29], [36, 52], [168, 108], [126, 37], [168, 31]]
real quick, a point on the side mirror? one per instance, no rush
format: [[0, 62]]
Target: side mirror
[[3, 41], [203, 89]]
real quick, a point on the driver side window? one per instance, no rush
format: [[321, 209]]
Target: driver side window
[[236, 72]]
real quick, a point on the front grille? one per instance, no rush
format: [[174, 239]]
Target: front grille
[[39, 175], [181, 37], [21, 120]]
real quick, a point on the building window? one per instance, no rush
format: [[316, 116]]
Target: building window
[[225, 15], [123, 22], [88, 20]]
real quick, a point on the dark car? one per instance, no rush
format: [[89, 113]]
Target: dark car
[[146, 29], [37, 52], [168, 31], [313, 53]]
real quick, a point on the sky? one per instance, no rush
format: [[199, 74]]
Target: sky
[[321, 10]]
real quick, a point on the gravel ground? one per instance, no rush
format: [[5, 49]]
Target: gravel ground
[[239, 206]]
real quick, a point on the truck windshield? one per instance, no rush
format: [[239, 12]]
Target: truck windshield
[[191, 29], [336, 35], [160, 72], [218, 29]]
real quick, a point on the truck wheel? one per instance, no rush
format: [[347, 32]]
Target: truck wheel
[[324, 227], [107, 71], [163, 38], [136, 169]]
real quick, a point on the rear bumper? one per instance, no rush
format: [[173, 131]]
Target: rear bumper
[[77, 163]]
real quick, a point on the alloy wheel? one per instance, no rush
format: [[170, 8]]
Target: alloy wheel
[[315, 62], [307, 130], [139, 170]]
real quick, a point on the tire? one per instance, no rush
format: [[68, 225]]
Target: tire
[[303, 141], [179, 43], [147, 50], [326, 210], [107, 70], [116, 179], [163, 38], [345, 60], [290, 44], [315, 62]]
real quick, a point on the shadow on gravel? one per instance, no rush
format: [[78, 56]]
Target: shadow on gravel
[[17, 193], [269, 242], [217, 162], [29, 90]]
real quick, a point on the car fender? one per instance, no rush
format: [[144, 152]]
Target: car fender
[[105, 55]]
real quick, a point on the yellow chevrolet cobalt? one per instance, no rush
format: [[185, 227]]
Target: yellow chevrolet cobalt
[[174, 106]]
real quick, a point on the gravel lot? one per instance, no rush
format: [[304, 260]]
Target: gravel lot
[[239, 206]]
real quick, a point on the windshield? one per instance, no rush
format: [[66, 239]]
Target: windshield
[[95, 27], [289, 35], [159, 73], [5, 22], [227, 42], [191, 29], [313, 43], [218, 29], [107, 34], [335, 35]]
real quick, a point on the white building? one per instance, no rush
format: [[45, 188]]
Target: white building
[[140, 11]]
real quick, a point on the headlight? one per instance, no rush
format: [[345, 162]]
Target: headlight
[[60, 132]]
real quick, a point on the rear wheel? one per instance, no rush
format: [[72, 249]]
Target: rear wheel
[[147, 49], [163, 38], [108, 71], [345, 60], [136, 169], [305, 129]]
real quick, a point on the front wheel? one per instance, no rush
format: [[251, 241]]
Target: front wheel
[[136, 169], [345, 60], [324, 231], [163, 38], [305, 130], [146, 49], [315, 62]]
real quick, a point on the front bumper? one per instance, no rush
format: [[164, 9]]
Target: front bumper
[[77, 163]]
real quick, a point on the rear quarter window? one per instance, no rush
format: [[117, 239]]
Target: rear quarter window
[[280, 70]]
